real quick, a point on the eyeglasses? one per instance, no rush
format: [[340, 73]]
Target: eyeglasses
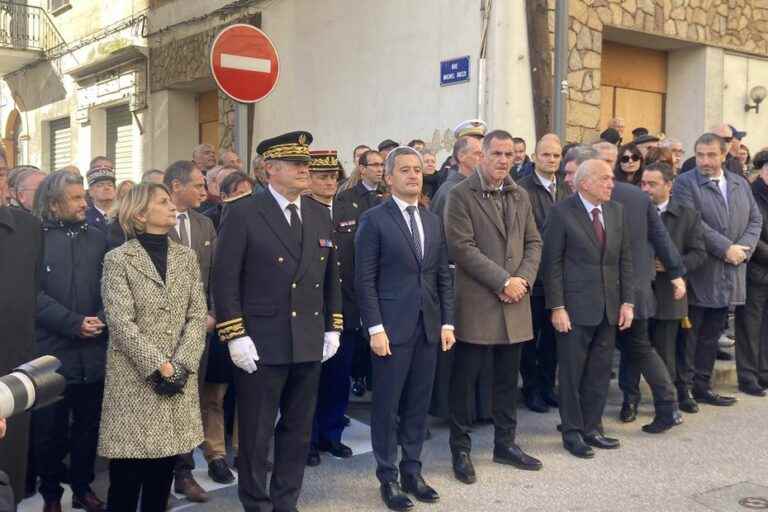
[[626, 158], [727, 139]]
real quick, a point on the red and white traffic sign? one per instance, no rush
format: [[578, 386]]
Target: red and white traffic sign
[[244, 63]]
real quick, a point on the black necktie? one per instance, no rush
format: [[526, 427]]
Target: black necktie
[[295, 222], [415, 230]]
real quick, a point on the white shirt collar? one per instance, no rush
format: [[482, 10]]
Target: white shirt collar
[[663, 206], [368, 187], [544, 181], [589, 206], [402, 205], [282, 201]]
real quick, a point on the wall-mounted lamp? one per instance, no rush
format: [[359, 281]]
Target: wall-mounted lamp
[[756, 94]]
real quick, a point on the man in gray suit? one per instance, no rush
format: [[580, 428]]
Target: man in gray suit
[[186, 184], [732, 224], [588, 285]]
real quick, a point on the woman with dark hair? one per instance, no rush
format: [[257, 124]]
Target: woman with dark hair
[[629, 166], [156, 312]]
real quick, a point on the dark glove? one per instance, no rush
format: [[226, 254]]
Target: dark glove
[[169, 386]]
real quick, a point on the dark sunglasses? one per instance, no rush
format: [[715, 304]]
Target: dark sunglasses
[[626, 158]]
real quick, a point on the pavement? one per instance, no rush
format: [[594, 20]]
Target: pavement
[[715, 461]]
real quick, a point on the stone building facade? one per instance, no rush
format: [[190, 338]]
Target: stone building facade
[[732, 27]]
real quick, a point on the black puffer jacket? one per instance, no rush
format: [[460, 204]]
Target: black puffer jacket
[[70, 291]]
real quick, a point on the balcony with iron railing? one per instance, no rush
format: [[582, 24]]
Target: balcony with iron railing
[[27, 34]]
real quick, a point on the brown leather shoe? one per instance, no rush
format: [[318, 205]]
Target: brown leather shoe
[[88, 501], [191, 489], [52, 506]]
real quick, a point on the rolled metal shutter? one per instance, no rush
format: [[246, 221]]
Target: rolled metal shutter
[[120, 141], [60, 144]]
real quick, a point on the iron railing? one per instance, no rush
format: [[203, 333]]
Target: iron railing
[[27, 27]]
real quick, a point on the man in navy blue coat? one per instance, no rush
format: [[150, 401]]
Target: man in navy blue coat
[[405, 295]]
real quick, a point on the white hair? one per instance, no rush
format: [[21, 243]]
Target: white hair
[[585, 171], [669, 142]]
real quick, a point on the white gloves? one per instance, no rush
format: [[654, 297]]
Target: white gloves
[[330, 344], [243, 353]]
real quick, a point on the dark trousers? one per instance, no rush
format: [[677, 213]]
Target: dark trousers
[[333, 392], [55, 436], [702, 346], [585, 354], [185, 462], [468, 364], [638, 357], [291, 389], [751, 342], [538, 361], [129, 478], [665, 338], [402, 386], [361, 358]]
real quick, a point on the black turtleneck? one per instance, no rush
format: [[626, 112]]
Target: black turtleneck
[[157, 248]]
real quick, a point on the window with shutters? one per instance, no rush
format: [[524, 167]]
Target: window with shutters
[[56, 5], [60, 143], [120, 141]]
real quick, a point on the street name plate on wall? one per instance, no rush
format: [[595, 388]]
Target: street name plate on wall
[[454, 71]]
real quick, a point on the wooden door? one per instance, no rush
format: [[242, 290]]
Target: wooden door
[[208, 118]]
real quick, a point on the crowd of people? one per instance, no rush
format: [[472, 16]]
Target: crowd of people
[[290, 286]]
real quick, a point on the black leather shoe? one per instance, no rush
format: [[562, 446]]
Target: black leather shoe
[[514, 456], [574, 443], [313, 457], [763, 383], [415, 484], [686, 403], [660, 424], [752, 389], [463, 468], [88, 502], [722, 355], [338, 450], [628, 412], [535, 402], [188, 486], [220, 472], [598, 440], [711, 398], [358, 387], [394, 498], [550, 398]]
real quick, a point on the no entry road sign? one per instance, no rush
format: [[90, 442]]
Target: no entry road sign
[[244, 63]]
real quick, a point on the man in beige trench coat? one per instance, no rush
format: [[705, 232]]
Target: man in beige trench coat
[[492, 237]]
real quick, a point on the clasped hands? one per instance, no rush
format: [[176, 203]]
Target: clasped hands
[[91, 327], [514, 290], [169, 379], [737, 254]]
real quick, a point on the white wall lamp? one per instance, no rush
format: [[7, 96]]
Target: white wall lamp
[[756, 94]]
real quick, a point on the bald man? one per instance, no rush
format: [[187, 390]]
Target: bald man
[[545, 187], [617, 124], [588, 281]]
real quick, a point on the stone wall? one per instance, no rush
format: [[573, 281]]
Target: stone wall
[[740, 25]]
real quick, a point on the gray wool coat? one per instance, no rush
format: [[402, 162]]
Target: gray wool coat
[[717, 284], [151, 322], [487, 251]]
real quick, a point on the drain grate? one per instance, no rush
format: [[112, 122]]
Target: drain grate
[[739, 497]]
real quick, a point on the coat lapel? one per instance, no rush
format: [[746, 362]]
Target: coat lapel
[[511, 199], [139, 260], [485, 204], [397, 215], [310, 241], [277, 222], [174, 261]]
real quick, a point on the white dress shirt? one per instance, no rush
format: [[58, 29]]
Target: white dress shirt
[[722, 185], [589, 206], [546, 182], [189, 229], [402, 205], [283, 203], [662, 207]]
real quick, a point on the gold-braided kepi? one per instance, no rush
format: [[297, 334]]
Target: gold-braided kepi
[[293, 146], [324, 160]]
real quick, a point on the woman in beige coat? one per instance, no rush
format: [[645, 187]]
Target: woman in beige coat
[[156, 311]]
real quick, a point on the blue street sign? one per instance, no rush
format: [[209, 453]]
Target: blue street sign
[[454, 71]]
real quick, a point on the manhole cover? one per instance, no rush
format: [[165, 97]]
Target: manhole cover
[[738, 497]]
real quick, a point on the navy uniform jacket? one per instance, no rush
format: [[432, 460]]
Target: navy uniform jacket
[[393, 284], [283, 295], [94, 218], [347, 208]]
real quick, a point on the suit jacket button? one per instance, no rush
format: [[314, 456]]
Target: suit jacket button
[[322, 258], [293, 313], [317, 285], [280, 259], [316, 313], [293, 285]]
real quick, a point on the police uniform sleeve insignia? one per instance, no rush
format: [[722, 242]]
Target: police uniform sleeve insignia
[[337, 321], [231, 329]]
